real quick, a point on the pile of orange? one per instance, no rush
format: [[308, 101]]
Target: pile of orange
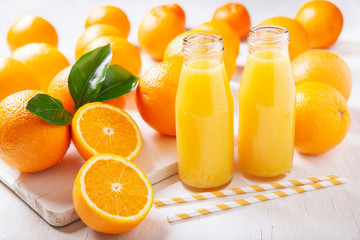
[[323, 83], [110, 25], [33, 41], [155, 94]]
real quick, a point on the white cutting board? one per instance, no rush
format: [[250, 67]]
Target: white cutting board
[[49, 192]]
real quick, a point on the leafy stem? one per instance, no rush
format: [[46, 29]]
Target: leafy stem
[[90, 80]]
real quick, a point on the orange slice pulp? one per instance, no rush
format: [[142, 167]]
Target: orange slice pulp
[[102, 128], [111, 194]]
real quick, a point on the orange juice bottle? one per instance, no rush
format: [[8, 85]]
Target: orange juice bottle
[[204, 115], [267, 105]]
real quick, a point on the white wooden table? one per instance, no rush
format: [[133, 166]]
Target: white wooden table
[[325, 214]]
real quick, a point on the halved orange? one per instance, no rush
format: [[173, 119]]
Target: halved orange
[[102, 128], [111, 194]]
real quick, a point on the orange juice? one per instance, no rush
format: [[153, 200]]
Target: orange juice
[[266, 106], [204, 120]]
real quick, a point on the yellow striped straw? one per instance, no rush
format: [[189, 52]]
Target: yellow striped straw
[[243, 190], [255, 199]]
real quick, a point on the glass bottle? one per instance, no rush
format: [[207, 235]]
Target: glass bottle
[[266, 105], [204, 115]]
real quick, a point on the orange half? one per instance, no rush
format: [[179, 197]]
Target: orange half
[[102, 128], [111, 194]]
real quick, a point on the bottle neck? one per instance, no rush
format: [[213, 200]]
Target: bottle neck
[[203, 48], [268, 38]]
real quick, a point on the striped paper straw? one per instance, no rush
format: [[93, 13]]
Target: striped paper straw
[[255, 199], [243, 190]]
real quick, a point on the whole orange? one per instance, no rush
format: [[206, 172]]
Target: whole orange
[[323, 66], [323, 22], [177, 10], [236, 15], [28, 143], [125, 54], [174, 52], [110, 15], [43, 59], [157, 29], [322, 118], [59, 89], [299, 40], [30, 29], [14, 77], [155, 96], [91, 33]]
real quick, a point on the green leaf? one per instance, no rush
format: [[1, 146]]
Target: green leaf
[[88, 74], [118, 81], [50, 109]]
